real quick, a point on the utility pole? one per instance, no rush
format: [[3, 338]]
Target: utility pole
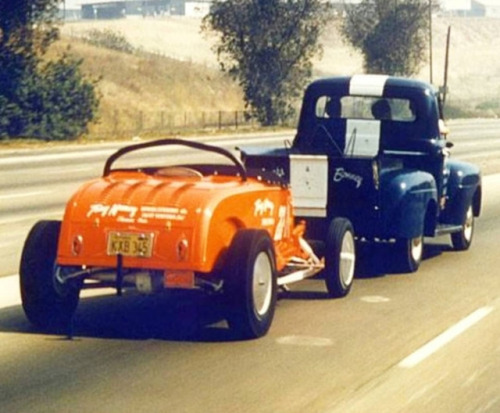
[[430, 39]]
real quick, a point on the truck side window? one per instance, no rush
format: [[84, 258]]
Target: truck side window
[[369, 108], [328, 107]]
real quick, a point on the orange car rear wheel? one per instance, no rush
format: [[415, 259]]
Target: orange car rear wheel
[[47, 302], [250, 283]]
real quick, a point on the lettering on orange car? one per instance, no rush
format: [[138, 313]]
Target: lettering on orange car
[[263, 207], [142, 214], [115, 210]]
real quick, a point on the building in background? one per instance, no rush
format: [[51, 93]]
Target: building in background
[[198, 8], [102, 9], [115, 9], [470, 8], [70, 10], [487, 8]]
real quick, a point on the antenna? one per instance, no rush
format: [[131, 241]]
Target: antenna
[[446, 62], [443, 90]]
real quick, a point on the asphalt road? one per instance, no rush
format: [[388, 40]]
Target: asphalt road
[[425, 342]]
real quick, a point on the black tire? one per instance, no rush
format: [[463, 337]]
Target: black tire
[[462, 240], [340, 258], [47, 303], [410, 252], [250, 284]]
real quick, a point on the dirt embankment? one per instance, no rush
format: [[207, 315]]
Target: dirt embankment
[[474, 75]]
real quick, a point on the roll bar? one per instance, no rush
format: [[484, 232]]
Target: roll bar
[[162, 142]]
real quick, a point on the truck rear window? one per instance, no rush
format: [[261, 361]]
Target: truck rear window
[[365, 107]]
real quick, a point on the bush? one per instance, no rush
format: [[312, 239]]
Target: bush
[[491, 106], [454, 111], [54, 102], [108, 39], [39, 99]]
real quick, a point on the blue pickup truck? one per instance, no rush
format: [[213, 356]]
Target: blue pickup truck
[[373, 150]]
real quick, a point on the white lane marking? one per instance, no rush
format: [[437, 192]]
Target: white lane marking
[[429, 386], [80, 154], [307, 341], [9, 291], [375, 299], [72, 170], [4, 244], [25, 194], [26, 218], [447, 336], [10, 294], [55, 156], [256, 142]]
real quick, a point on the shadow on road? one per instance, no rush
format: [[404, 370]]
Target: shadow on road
[[173, 316], [380, 259], [185, 315]]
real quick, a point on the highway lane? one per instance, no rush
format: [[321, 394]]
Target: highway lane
[[35, 185], [145, 354], [141, 354]]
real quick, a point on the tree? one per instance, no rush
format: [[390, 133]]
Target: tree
[[267, 45], [391, 34], [39, 98]]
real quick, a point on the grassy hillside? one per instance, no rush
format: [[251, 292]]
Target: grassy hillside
[[186, 78], [145, 85]]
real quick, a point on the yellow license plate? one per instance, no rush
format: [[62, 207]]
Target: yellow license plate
[[130, 244]]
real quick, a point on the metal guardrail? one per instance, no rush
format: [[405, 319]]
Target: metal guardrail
[[123, 122]]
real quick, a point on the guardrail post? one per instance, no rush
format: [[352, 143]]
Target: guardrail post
[[140, 121], [115, 122]]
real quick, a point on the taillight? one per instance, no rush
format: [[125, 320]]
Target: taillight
[[182, 249], [77, 245]]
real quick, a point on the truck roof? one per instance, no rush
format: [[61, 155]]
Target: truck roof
[[370, 85]]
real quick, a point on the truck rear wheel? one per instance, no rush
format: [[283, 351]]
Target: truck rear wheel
[[462, 240], [250, 284], [47, 302], [410, 252], [340, 257]]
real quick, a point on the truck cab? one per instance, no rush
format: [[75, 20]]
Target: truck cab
[[377, 153]]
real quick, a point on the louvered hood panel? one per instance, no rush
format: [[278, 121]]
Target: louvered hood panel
[[173, 212]]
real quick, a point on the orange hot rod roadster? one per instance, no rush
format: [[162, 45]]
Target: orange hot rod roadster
[[218, 227]]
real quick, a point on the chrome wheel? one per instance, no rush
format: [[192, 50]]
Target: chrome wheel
[[469, 224], [340, 257], [347, 259], [262, 284], [250, 284], [416, 249], [462, 240], [409, 253]]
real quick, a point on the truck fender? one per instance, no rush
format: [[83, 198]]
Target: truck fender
[[462, 190], [407, 198]]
